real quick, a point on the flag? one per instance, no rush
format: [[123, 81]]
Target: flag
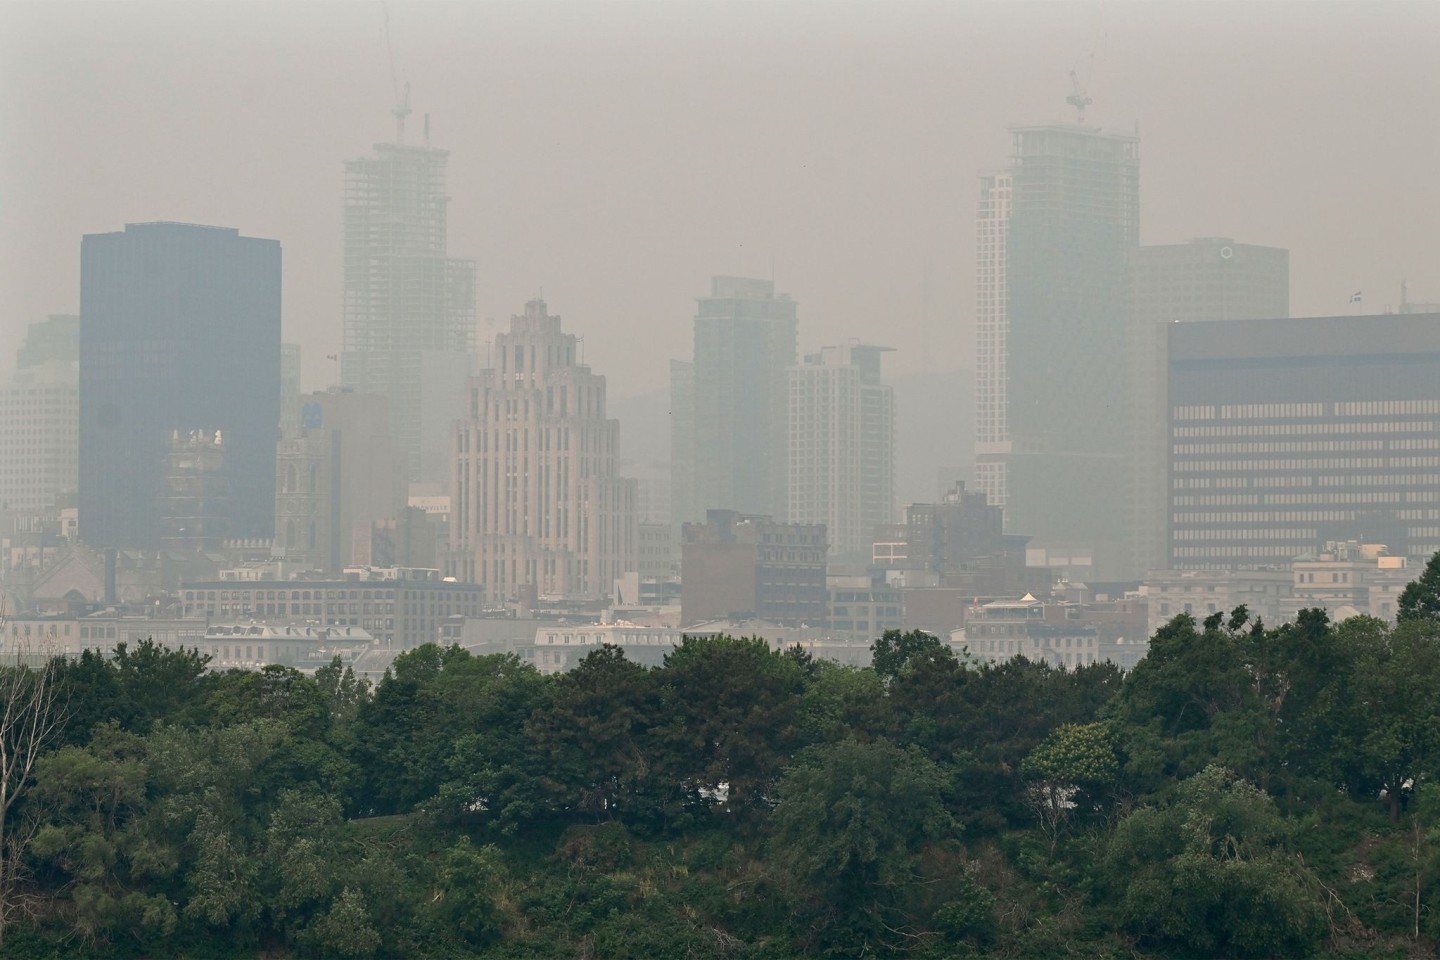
[[1355, 297]]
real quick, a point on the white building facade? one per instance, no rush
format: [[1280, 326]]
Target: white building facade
[[842, 447]]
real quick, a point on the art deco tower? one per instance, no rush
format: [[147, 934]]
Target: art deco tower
[[536, 500]]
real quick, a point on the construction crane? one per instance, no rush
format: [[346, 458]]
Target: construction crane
[[402, 107], [1079, 99], [401, 111]]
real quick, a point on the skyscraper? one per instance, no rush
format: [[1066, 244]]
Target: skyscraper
[[842, 447], [1209, 278], [179, 331], [537, 504], [1053, 351], [409, 309], [745, 339], [992, 432]]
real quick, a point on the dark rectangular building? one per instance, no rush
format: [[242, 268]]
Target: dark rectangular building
[[179, 332], [736, 566], [1287, 434]]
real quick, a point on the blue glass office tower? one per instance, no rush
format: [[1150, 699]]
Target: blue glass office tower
[[179, 333]]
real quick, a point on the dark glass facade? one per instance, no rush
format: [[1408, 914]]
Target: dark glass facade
[[1286, 434], [179, 331]]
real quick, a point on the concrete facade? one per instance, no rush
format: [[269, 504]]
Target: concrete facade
[[337, 468], [400, 608], [739, 566], [841, 447]]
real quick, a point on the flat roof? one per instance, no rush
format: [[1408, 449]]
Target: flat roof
[[1368, 335]]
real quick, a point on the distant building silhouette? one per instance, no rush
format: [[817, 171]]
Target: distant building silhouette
[[1206, 279], [336, 468], [1056, 234], [537, 506], [179, 331], [40, 420], [409, 330], [841, 448], [732, 401]]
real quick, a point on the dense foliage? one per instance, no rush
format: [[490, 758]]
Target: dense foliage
[[1244, 791]]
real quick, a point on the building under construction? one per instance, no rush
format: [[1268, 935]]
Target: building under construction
[[409, 309]]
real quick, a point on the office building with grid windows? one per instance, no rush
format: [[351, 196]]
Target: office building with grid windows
[[1287, 434]]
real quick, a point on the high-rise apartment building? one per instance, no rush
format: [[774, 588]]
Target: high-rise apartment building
[[992, 356], [179, 331], [1288, 434], [409, 308], [745, 339], [537, 503], [1053, 351], [1209, 278], [842, 447], [40, 419]]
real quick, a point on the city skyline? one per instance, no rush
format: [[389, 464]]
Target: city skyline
[[852, 233]]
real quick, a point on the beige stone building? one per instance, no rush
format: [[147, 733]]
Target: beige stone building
[[537, 505]]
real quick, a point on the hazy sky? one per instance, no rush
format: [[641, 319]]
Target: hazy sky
[[617, 154]]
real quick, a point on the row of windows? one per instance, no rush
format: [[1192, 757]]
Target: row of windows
[[1306, 446], [1318, 463], [1249, 533], [1289, 498], [1292, 429], [1290, 516], [1270, 553], [1403, 480], [1362, 408], [383, 593]]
